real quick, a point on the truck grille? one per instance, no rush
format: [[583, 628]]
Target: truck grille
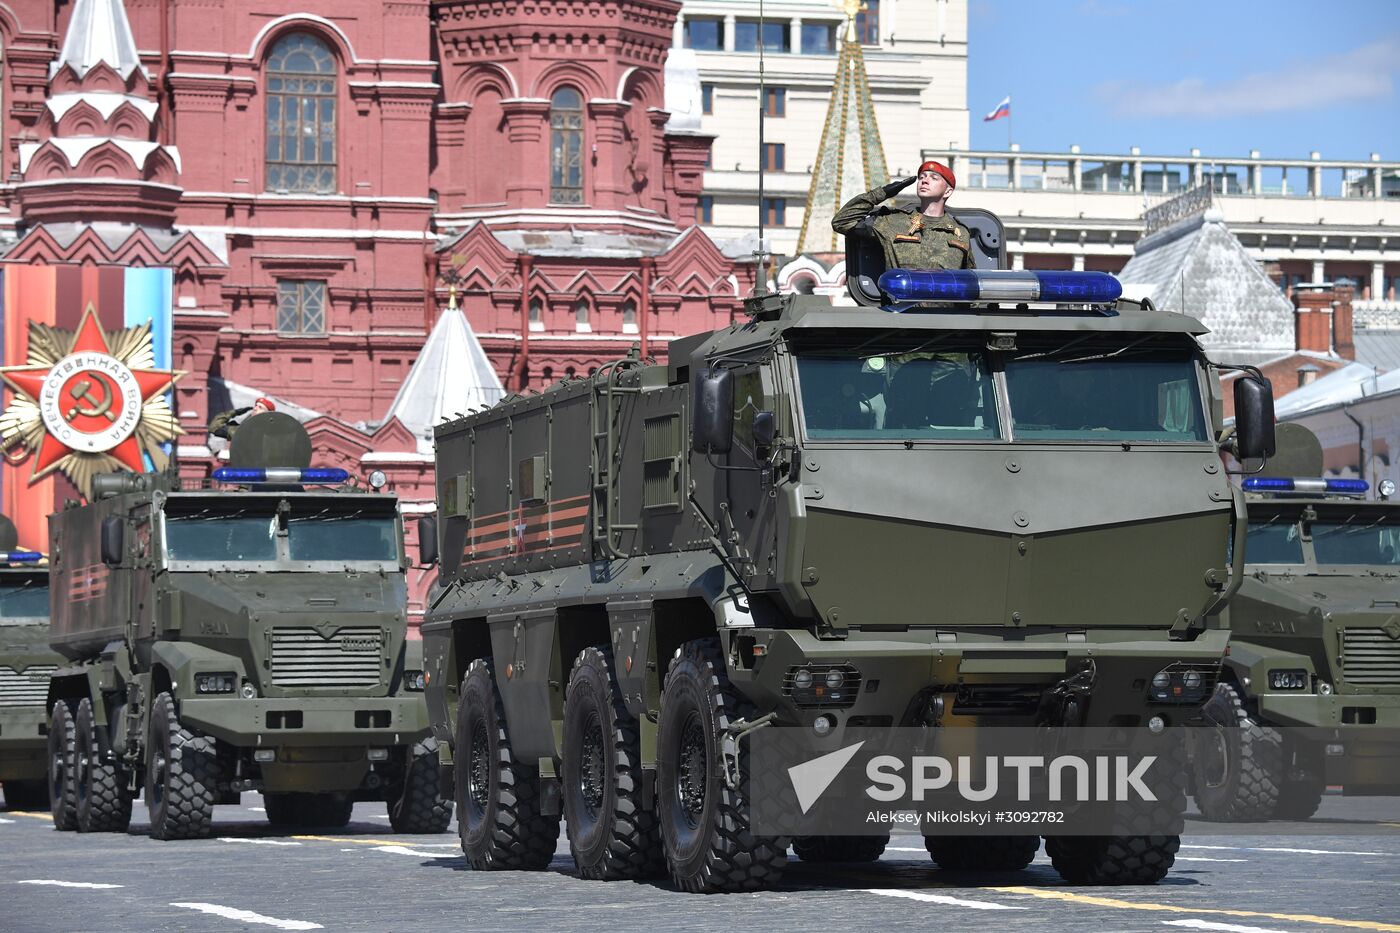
[[301, 657], [29, 687], [1370, 657]]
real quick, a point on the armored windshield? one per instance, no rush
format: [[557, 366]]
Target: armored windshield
[[1273, 543], [945, 396], [341, 538], [1359, 542], [1102, 399], [221, 538], [23, 605]]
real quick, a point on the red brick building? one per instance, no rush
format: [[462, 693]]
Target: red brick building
[[319, 175]]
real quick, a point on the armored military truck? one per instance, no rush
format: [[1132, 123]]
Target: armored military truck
[[245, 634], [1310, 693], [980, 498], [25, 665]]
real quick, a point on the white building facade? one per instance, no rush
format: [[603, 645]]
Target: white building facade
[[916, 57]]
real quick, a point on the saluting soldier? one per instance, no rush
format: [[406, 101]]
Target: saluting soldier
[[925, 237], [226, 423]]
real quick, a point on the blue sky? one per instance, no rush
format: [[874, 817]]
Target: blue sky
[[1225, 76]]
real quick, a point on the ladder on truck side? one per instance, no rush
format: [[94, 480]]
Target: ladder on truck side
[[605, 454]]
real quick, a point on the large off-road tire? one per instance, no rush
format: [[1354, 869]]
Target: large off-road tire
[[611, 834], [100, 797], [497, 797], [1237, 765], [417, 806], [62, 795], [321, 811], [1104, 860], [27, 795], [840, 848], [704, 821], [181, 774], [1302, 790], [982, 853]]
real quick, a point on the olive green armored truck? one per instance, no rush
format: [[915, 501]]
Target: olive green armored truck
[[244, 634], [1310, 693], [978, 498], [25, 665]]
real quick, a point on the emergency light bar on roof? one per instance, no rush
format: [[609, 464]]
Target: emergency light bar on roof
[[326, 475], [20, 557], [1354, 487], [915, 286]]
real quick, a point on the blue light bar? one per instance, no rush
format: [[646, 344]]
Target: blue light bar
[[1353, 487], [280, 475], [20, 557], [905, 286]]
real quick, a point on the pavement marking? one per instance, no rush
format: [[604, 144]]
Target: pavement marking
[[1284, 850], [69, 884], [364, 841], [3, 820], [1097, 901], [274, 842], [1203, 858], [940, 899], [247, 916], [31, 815], [405, 850], [1210, 925], [258, 809]]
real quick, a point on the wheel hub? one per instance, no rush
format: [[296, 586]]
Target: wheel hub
[[592, 767], [692, 771]]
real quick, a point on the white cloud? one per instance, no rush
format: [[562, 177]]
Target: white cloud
[[1362, 74]]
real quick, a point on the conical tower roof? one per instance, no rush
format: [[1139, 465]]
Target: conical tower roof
[[98, 32], [850, 157], [451, 376]]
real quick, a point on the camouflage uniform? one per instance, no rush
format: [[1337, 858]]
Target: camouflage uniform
[[910, 240], [224, 424]]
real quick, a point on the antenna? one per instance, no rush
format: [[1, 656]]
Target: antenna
[[761, 286]]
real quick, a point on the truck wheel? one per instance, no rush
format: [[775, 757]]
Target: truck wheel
[[26, 795], [704, 821], [419, 807], [1103, 860], [180, 776], [101, 800], [1237, 764], [62, 799], [611, 834], [497, 797], [840, 848], [982, 853]]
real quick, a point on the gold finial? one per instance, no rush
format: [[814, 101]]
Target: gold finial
[[452, 297], [850, 8]]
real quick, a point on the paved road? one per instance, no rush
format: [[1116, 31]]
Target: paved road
[[1340, 874]]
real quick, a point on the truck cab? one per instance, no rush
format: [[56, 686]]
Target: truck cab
[[26, 663]]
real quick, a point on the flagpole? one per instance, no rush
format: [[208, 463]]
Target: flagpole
[[1008, 123]]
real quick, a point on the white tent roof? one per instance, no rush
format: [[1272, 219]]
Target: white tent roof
[[451, 376]]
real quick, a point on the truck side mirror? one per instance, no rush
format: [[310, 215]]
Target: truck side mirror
[[765, 429], [1254, 418], [112, 540], [712, 424], [427, 540]]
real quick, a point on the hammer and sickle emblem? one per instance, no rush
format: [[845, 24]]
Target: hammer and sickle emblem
[[98, 407]]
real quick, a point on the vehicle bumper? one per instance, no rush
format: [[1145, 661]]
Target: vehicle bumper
[[23, 743], [895, 668], [1360, 735], [304, 722]]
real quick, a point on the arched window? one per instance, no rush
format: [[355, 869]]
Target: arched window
[[629, 316], [581, 321], [536, 314], [301, 116], [566, 147]]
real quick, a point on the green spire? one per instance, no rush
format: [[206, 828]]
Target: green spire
[[850, 158]]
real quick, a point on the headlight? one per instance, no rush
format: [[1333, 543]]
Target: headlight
[[834, 679], [1288, 680], [1179, 683], [414, 680], [802, 679], [214, 683]]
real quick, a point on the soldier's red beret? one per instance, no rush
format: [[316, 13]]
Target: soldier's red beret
[[940, 168]]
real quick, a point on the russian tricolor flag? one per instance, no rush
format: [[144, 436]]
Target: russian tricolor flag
[[1003, 110]]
